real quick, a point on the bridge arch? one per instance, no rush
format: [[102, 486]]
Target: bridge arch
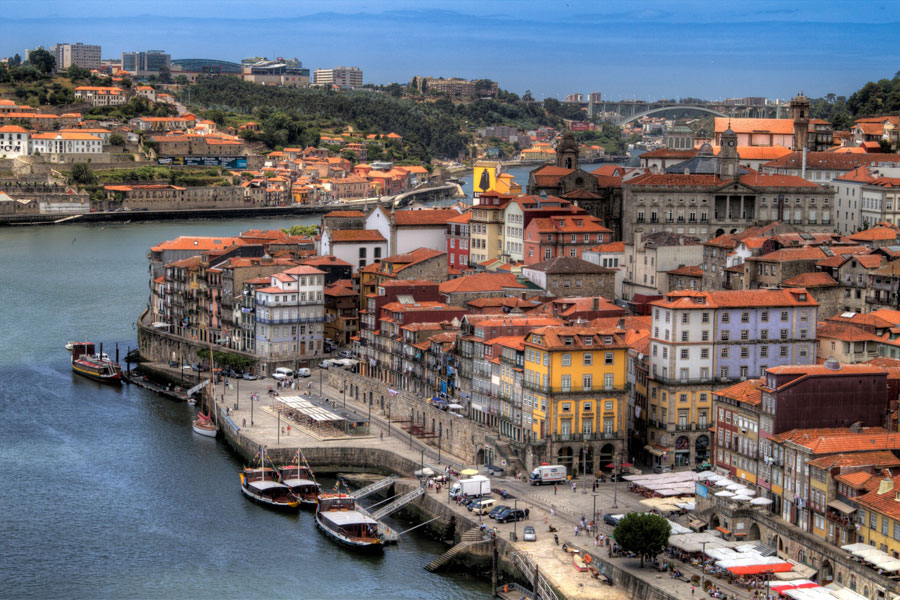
[[653, 111]]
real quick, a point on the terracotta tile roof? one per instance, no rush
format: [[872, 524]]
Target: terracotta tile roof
[[871, 320], [12, 129], [673, 180], [304, 270], [871, 128], [568, 224], [480, 282], [857, 369], [502, 302], [735, 298], [776, 126], [856, 480], [665, 152], [877, 459], [876, 233], [424, 218], [845, 332], [516, 342], [566, 264], [692, 271], [831, 161], [792, 254], [200, 244], [461, 218], [748, 392], [858, 175], [610, 247], [808, 280], [628, 323], [555, 337], [835, 440], [422, 327], [891, 269], [356, 235], [885, 502], [758, 180]]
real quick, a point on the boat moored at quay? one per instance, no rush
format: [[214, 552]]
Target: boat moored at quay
[[99, 367], [338, 518]]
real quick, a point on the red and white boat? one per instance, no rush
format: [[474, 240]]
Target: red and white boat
[[98, 367]]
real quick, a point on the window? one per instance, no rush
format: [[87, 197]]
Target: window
[[745, 334], [725, 335], [704, 353], [745, 317], [705, 335], [608, 359], [608, 406], [783, 351], [764, 316], [566, 383], [784, 315], [608, 381], [725, 352], [764, 334], [723, 372], [745, 352], [567, 360], [588, 358], [705, 318], [587, 383], [764, 352], [684, 336], [784, 334], [684, 353], [725, 317]]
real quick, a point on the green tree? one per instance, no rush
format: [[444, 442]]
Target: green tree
[[181, 80], [15, 61], [82, 173], [5, 77], [116, 140], [74, 73], [644, 534], [304, 230], [165, 74], [42, 60], [527, 97]]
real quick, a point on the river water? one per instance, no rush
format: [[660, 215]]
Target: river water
[[107, 493]]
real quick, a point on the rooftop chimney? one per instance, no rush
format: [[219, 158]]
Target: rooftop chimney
[[886, 485]]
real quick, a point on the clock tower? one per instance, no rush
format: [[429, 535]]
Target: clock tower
[[800, 114], [728, 159], [567, 152]]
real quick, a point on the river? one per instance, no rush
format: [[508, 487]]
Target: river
[[108, 494]]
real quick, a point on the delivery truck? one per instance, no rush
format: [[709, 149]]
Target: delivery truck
[[547, 474], [477, 485]]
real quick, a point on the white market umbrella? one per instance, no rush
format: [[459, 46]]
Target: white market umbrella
[[723, 482], [733, 486], [724, 494], [709, 475], [761, 501], [741, 498]]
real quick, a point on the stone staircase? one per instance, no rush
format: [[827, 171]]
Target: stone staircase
[[467, 540]]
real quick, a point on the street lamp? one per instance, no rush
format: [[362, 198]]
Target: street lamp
[[344, 391], [252, 398], [703, 568], [389, 418], [422, 459], [595, 507], [320, 382], [615, 479], [515, 519], [237, 395]]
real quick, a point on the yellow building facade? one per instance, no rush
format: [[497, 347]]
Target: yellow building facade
[[574, 385]]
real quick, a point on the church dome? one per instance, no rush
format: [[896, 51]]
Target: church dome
[[705, 150]]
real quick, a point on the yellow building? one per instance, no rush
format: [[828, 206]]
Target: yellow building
[[506, 184], [878, 516], [574, 385], [486, 228]]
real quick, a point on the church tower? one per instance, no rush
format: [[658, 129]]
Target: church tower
[[728, 159], [800, 114], [567, 152]]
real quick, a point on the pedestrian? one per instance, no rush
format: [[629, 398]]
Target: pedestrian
[[526, 513], [692, 590], [282, 431], [382, 436], [573, 487], [244, 424], [556, 539], [552, 512], [289, 429], [576, 530], [596, 541], [555, 488]]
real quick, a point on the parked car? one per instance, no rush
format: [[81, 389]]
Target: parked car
[[493, 514], [250, 377], [324, 364], [196, 368], [345, 354], [304, 372], [611, 519], [662, 469], [529, 535], [235, 374], [513, 514]]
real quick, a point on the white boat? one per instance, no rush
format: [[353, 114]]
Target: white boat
[[203, 425], [338, 518], [269, 492], [70, 344]]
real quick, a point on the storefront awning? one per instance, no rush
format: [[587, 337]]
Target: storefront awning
[[844, 508], [723, 530], [698, 524], [652, 450]]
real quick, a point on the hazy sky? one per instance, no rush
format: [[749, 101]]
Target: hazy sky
[[622, 49]]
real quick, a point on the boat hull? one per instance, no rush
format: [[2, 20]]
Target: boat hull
[[200, 430], [267, 502], [347, 542], [114, 379]]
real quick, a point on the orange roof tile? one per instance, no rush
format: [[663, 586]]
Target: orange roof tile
[[425, 217], [748, 392], [808, 280], [480, 282], [845, 332], [736, 298], [776, 126], [692, 271], [356, 235]]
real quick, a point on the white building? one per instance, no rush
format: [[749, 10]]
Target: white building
[[343, 77], [14, 141], [86, 56], [514, 232], [407, 230], [290, 317], [54, 142], [359, 247]]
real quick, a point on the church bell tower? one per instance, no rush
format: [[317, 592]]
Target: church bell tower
[[800, 114], [728, 160], [567, 152]]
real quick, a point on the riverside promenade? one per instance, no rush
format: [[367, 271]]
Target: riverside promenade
[[548, 506]]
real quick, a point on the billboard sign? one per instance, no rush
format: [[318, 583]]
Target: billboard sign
[[229, 162]]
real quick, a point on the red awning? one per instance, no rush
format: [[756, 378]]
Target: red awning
[[760, 569], [780, 587], [723, 530]]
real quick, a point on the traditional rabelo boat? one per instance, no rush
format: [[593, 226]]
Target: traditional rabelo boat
[[205, 424], [338, 518], [300, 480], [94, 366], [262, 486]]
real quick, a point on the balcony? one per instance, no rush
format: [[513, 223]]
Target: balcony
[[585, 437], [685, 427], [574, 389]]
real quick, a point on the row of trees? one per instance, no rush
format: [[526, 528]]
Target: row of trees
[[872, 99]]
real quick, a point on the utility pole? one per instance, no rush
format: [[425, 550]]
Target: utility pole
[[389, 418], [703, 569], [615, 479]]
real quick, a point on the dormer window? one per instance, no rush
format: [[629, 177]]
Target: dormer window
[[588, 341], [569, 341]]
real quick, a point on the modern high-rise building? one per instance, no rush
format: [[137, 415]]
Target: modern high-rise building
[[86, 56], [145, 63], [343, 77]]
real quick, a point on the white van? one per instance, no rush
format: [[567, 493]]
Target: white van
[[304, 373], [282, 373]]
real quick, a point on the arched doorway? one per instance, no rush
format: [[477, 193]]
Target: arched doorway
[[701, 449], [714, 521], [564, 457], [607, 454], [479, 457], [682, 451], [586, 460], [734, 230], [826, 573], [780, 544], [753, 534], [719, 232]]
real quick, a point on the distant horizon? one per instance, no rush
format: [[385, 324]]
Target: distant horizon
[[642, 51]]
